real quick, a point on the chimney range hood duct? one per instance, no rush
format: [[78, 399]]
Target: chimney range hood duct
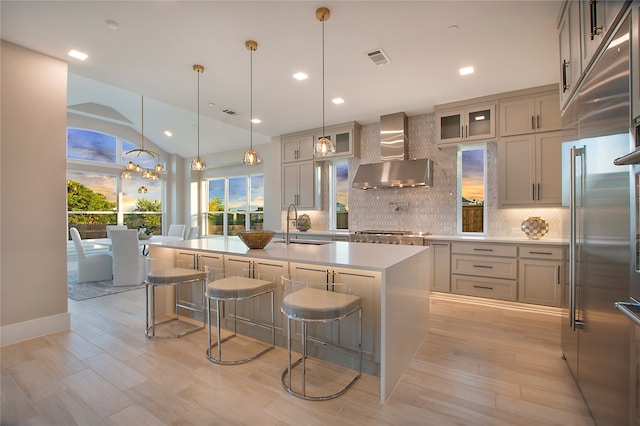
[[395, 171]]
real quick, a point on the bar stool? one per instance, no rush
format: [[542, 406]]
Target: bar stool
[[236, 286], [164, 273], [307, 304]]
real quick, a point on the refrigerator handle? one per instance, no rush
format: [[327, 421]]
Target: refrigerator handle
[[628, 309], [573, 244]]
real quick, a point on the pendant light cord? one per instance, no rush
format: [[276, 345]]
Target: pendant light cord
[[142, 128], [198, 120], [323, 135], [251, 102]]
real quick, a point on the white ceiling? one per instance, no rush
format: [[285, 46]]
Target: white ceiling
[[512, 45]]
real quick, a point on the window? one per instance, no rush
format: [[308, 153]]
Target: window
[[339, 194], [97, 196], [91, 146], [472, 184], [235, 204]]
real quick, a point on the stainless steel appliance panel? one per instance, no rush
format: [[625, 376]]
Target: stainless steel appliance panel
[[595, 337]]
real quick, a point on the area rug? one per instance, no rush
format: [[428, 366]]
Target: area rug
[[94, 289]]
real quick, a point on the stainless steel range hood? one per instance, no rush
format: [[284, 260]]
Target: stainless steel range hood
[[395, 171]]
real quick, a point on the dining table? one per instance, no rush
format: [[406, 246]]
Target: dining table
[[144, 243]]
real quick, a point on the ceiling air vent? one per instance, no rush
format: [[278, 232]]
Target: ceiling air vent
[[378, 57], [229, 111]]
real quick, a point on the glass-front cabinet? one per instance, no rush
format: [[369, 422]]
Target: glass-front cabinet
[[345, 137], [459, 125]]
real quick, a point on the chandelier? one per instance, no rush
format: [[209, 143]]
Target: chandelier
[[131, 166]]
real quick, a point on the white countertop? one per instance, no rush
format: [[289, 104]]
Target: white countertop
[[497, 239], [374, 257]]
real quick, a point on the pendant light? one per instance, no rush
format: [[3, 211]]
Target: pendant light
[[323, 146], [251, 157], [134, 167], [198, 164]]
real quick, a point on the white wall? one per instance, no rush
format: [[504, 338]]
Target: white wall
[[33, 232]]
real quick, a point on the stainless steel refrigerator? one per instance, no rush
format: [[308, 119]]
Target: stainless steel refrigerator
[[596, 340]]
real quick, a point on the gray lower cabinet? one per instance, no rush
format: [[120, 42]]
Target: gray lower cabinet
[[365, 284], [527, 273], [486, 270], [440, 266], [259, 308], [540, 275]]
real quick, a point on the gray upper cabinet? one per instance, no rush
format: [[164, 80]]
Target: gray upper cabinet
[[598, 19], [465, 124], [345, 137], [530, 114], [298, 147], [570, 56]]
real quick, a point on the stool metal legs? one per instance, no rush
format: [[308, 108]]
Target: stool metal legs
[[286, 374], [220, 340], [150, 328]]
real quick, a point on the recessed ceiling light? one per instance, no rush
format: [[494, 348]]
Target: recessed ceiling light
[[78, 55], [453, 28], [256, 121], [337, 101], [466, 70], [168, 133], [111, 24], [300, 76]]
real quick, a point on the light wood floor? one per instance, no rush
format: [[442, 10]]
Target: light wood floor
[[480, 365]]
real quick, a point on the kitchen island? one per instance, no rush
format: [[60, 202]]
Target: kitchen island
[[392, 280]]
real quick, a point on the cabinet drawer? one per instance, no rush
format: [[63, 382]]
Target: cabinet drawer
[[542, 252], [484, 287], [495, 267], [505, 250]]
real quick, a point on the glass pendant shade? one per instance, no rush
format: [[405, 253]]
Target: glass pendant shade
[[159, 168], [130, 166], [251, 158], [324, 147], [198, 165], [125, 175], [142, 189]]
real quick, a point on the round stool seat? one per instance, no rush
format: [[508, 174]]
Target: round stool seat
[[168, 276], [316, 304], [238, 287]]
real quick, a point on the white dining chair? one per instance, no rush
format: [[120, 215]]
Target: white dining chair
[[128, 263], [176, 230], [192, 233], [116, 227], [93, 267]]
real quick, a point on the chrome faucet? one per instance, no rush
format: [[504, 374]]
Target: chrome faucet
[[287, 240]]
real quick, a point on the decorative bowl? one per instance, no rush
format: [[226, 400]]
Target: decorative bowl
[[255, 239], [302, 227], [144, 236]]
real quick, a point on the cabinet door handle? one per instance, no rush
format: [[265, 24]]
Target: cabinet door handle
[[538, 192], [593, 12], [533, 123], [482, 249], [538, 121], [565, 83], [483, 266], [557, 275], [484, 287], [533, 191], [541, 252]]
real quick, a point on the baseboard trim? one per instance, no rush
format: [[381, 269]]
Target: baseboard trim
[[14, 333]]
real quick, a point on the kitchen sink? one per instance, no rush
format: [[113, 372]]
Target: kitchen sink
[[307, 242]]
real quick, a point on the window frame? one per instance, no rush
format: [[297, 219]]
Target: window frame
[[459, 205], [226, 212], [333, 208]]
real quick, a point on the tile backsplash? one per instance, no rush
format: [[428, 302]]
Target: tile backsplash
[[432, 209]]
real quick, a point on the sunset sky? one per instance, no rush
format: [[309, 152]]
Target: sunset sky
[[473, 174]]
